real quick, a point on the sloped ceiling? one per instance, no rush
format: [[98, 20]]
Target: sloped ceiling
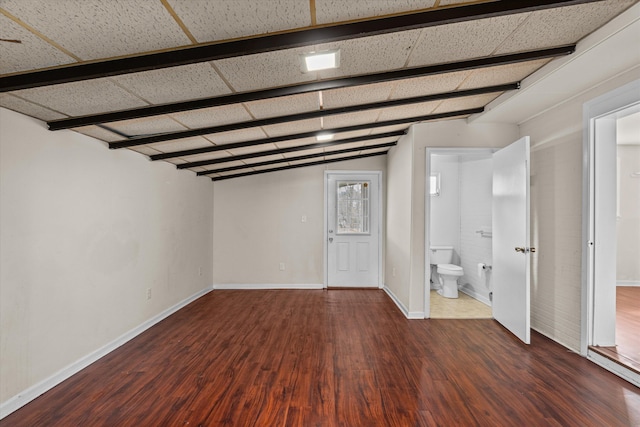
[[217, 87]]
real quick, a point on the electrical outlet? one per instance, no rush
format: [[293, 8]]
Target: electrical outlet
[[148, 293], [282, 266]]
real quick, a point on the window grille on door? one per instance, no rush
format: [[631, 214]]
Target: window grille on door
[[353, 207]]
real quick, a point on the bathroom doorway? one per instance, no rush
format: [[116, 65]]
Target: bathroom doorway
[[459, 216], [611, 230]]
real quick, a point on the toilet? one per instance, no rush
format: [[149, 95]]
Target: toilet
[[445, 273]]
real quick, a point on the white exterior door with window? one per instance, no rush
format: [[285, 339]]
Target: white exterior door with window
[[352, 230]]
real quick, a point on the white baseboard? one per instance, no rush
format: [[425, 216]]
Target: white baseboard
[[408, 314], [26, 396], [628, 283], [475, 295], [254, 286], [613, 367]]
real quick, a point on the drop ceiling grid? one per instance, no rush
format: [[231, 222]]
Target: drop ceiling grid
[[103, 29], [212, 21], [343, 146], [296, 142], [510, 73], [83, 97], [559, 26], [296, 154], [463, 40], [174, 84], [212, 116], [31, 53], [181, 144], [146, 126], [373, 54], [406, 111], [285, 105], [292, 128], [350, 119], [252, 150], [250, 134], [356, 95], [429, 85], [32, 109], [466, 102], [329, 11]]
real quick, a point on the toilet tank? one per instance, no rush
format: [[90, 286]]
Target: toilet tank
[[441, 254]]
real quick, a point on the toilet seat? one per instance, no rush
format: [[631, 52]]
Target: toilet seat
[[451, 269]]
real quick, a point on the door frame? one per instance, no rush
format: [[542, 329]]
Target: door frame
[[325, 233], [427, 211], [602, 106]]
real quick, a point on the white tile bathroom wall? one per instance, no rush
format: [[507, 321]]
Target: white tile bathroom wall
[[475, 215]]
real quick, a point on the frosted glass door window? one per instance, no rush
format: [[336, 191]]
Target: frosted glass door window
[[353, 207]]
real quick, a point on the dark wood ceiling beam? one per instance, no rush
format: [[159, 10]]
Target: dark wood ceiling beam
[[297, 158], [320, 162], [365, 126], [298, 89], [310, 115], [273, 42], [288, 150]]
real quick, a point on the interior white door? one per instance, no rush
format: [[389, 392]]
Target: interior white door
[[353, 230], [511, 238]]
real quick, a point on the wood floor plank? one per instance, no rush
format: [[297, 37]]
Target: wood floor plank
[[331, 358]]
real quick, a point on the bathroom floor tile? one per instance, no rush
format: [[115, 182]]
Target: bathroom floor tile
[[463, 307]]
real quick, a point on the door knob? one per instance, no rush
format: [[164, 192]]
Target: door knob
[[520, 250], [330, 239]]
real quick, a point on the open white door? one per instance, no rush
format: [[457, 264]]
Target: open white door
[[353, 229], [511, 235]]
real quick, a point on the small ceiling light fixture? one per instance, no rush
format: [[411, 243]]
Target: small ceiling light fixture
[[324, 137], [316, 61]]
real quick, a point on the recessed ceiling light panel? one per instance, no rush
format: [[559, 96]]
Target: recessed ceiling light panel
[[324, 137], [316, 61]]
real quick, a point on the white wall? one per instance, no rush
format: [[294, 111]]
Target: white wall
[[84, 232], [476, 181], [628, 224], [258, 224], [556, 213], [445, 208]]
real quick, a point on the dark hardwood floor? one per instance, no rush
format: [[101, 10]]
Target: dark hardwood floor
[[627, 350], [332, 358]]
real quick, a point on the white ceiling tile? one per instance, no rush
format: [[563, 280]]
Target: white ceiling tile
[[175, 161], [379, 150], [240, 135], [234, 172], [390, 128], [175, 84], [465, 103], [146, 126], [370, 54], [340, 156], [296, 142], [559, 26], [144, 149], [328, 11], [81, 98], [253, 149], [463, 40], [265, 70], [268, 167], [219, 20], [101, 29], [306, 152], [264, 159], [292, 128], [182, 144], [304, 162], [213, 116], [343, 146], [31, 53], [412, 110], [30, 109], [429, 85], [99, 133], [207, 156], [356, 95], [502, 74], [352, 134], [350, 119], [284, 106]]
